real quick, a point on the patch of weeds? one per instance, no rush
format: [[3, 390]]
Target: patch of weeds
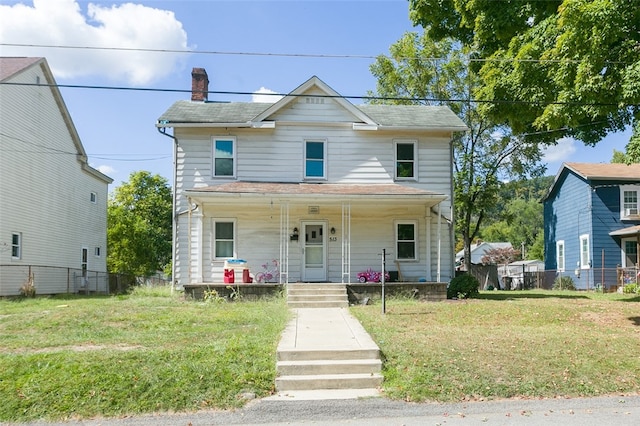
[[564, 283], [212, 296], [28, 288]]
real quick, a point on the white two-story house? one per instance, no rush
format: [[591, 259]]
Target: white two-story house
[[53, 204], [312, 183]]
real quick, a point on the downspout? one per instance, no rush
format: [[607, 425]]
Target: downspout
[[174, 221]]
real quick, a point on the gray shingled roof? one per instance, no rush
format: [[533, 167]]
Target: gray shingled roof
[[419, 116], [10, 66]]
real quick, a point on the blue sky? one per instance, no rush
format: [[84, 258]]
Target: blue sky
[[245, 46]]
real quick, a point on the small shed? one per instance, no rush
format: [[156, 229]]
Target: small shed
[[521, 275]]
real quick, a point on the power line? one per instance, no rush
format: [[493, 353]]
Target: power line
[[381, 98], [297, 55]]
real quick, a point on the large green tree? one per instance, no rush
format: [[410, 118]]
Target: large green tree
[[485, 154], [139, 225], [567, 67]]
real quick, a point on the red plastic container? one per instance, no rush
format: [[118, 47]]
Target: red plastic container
[[229, 276]]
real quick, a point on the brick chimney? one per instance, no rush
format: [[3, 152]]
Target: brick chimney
[[199, 85]]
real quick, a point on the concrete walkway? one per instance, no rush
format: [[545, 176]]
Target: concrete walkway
[[325, 330]]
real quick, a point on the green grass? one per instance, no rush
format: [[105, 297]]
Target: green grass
[[79, 357], [532, 344]]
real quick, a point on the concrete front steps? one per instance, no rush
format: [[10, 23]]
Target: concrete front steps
[[328, 370], [325, 351], [313, 295]]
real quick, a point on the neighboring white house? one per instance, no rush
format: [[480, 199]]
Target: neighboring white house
[[479, 250], [313, 183], [53, 205]]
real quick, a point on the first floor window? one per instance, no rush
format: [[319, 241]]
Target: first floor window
[[585, 259], [560, 255], [406, 240], [630, 253], [224, 239], [85, 261], [224, 157], [16, 245], [96, 251], [93, 197]]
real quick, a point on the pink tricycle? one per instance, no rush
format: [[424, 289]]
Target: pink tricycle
[[372, 276]]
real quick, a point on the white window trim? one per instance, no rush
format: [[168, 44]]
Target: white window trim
[[560, 243], [19, 245], [234, 157], [583, 265], [324, 160], [213, 237], [623, 213], [414, 142], [415, 239]]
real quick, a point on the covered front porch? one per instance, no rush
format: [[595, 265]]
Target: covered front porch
[[291, 232]]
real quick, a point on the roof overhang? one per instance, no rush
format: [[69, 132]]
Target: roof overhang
[[631, 231], [330, 192]]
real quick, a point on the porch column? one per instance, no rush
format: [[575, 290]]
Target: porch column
[[284, 243], [346, 243], [427, 220]]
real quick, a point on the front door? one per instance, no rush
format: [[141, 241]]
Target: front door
[[314, 251]]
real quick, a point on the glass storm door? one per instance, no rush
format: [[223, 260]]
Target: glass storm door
[[314, 251]]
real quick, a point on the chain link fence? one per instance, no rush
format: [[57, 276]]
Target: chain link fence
[[56, 280]]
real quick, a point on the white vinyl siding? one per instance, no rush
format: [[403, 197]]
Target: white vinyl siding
[[585, 258], [560, 255], [58, 213]]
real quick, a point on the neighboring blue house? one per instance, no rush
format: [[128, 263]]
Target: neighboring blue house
[[592, 223]]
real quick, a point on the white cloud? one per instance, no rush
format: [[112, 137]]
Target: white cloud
[[266, 95], [561, 151], [128, 25], [107, 170]]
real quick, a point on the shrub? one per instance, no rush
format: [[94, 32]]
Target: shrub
[[564, 283], [28, 288], [632, 288], [463, 287]]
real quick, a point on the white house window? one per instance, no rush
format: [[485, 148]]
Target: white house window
[[406, 240], [585, 259], [224, 157], [629, 201], [405, 160], [560, 255], [93, 197], [315, 165], [96, 251], [16, 245], [85, 261], [224, 238], [630, 253]]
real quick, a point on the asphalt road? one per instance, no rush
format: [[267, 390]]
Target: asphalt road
[[614, 410]]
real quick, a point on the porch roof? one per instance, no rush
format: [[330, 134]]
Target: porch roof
[[626, 232], [340, 191]]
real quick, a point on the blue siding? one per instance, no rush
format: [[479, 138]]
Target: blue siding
[[578, 207]]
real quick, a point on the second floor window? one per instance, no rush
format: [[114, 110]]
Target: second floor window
[[224, 157], [406, 164], [314, 160], [629, 201]]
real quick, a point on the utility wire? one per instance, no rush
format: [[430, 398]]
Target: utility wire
[[384, 98], [296, 55]]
